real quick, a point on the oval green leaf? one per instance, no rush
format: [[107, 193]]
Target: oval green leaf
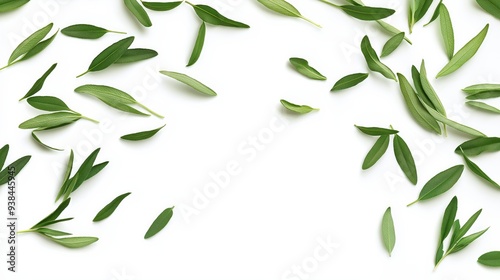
[[160, 222], [392, 44], [367, 13], [302, 66], [479, 88], [376, 152], [141, 135], [74, 242], [388, 231], [483, 106], [193, 83], [161, 6], [405, 159], [50, 120], [440, 183], [30, 42], [301, 109], [110, 208], [479, 145], [10, 5], [447, 31], [48, 103], [198, 45], [134, 55], [138, 11], [38, 48], [349, 81], [491, 258], [37, 86], [86, 31]]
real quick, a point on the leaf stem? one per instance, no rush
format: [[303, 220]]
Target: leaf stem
[[412, 203], [26, 230], [117, 32], [89, 119], [310, 21], [5, 67], [151, 111], [439, 262], [330, 3], [82, 74], [189, 3]]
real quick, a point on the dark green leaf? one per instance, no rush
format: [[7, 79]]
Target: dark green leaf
[[110, 208], [18, 165], [84, 170], [133, 55], [464, 242], [50, 120], [376, 131], [302, 66], [392, 44], [10, 5], [490, 6], [48, 223], [141, 135], [185, 79], [478, 171], [48, 103], [462, 231], [417, 82], [160, 222], [490, 259], [440, 183], [373, 61], [210, 15], [54, 215], [39, 83], [138, 11], [86, 31], [161, 6], [198, 45], [423, 7], [96, 169], [429, 91], [446, 225], [349, 81], [405, 159], [388, 232], [479, 145], [301, 109], [435, 15], [447, 31], [376, 152]]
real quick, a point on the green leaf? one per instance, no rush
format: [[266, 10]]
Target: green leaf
[[429, 91], [405, 159], [86, 31], [74, 242], [466, 241], [10, 5], [50, 120], [210, 15], [38, 48], [18, 165], [30, 42], [423, 7], [479, 145], [416, 107], [48, 223], [376, 131], [490, 6], [479, 88], [109, 55], [84, 170], [160, 222], [388, 232], [51, 232], [138, 11], [141, 135], [484, 95], [39, 83], [417, 82], [479, 172], [161, 6], [464, 54], [67, 174], [133, 55], [440, 183], [70, 187], [285, 8], [110, 208], [54, 215], [302, 66], [349, 81], [446, 225], [193, 83], [35, 137], [4, 151], [48, 103], [462, 231], [366, 13], [96, 169], [198, 45], [447, 31], [376, 152], [392, 44], [373, 61], [483, 106], [435, 15], [490, 259], [301, 109]]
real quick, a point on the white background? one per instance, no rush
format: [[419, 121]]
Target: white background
[[304, 185]]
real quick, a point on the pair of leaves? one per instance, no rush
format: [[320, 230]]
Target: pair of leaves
[[388, 231], [17, 165], [10, 5], [302, 66], [349, 81], [110, 208], [87, 31], [300, 109], [373, 61], [418, 9], [440, 183], [141, 135], [115, 98], [159, 223], [285, 8], [362, 12], [490, 6], [191, 82], [482, 91], [478, 146], [31, 46]]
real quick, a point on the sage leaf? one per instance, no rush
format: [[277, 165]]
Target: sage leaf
[[478, 171], [198, 45], [405, 159], [138, 11], [464, 54], [37, 86], [212, 16], [373, 61], [349, 81], [74, 242], [4, 151], [491, 258], [300, 109], [392, 44], [109, 55], [376, 152], [490, 6], [446, 225], [478, 146], [10, 5], [483, 106], [440, 183], [416, 108], [50, 120], [86, 31], [110, 208], [48, 103], [38, 48], [52, 232], [161, 6], [388, 232], [376, 131], [193, 83], [54, 215], [285, 8], [133, 55], [141, 135], [447, 31], [480, 88], [35, 137], [302, 66], [18, 165], [159, 223]]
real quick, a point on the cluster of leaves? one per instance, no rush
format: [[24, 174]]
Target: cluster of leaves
[[482, 92], [18, 164]]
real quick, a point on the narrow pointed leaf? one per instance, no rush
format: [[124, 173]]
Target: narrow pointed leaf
[[491, 258], [50, 120], [440, 183], [302, 66], [447, 31], [455, 230], [417, 82], [466, 241], [429, 91], [285, 8], [109, 55], [85, 31], [373, 61], [52, 232], [74, 242], [349, 81], [54, 215], [159, 223], [18, 165], [376, 131], [367, 13], [161, 6], [30, 42], [300, 109], [479, 145], [96, 169], [134, 55], [10, 5], [198, 45], [481, 88], [110, 208], [67, 175], [405, 159], [484, 95], [422, 9], [85, 168], [376, 152], [446, 226], [388, 232], [479, 172], [193, 83], [468, 225], [490, 6], [212, 16], [435, 15], [4, 151], [70, 187], [37, 86], [48, 103], [392, 44], [38, 48], [141, 135], [138, 11], [483, 106], [35, 137]]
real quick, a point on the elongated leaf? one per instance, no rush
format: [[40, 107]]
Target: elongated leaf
[[10, 5], [50, 120], [54, 215], [285, 8], [53, 222], [110, 208], [18, 165], [376, 152], [416, 108], [349, 81], [38, 48], [302, 66], [435, 15], [373, 61], [159, 223], [70, 187], [479, 88], [85, 168], [429, 91], [447, 31], [462, 231], [367, 13], [96, 169], [35, 137], [479, 145], [141, 135], [440, 183], [376, 131], [212, 16], [74, 242], [464, 54], [479, 172], [48, 103], [466, 241], [4, 151], [52, 232], [490, 259], [195, 84], [39, 83], [405, 159], [86, 31], [109, 55], [30, 42], [388, 232], [301, 109], [419, 90], [455, 231], [198, 45], [484, 95], [161, 6], [490, 6], [133, 55], [67, 175], [392, 44], [483, 106], [446, 225], [138, 11], [422, 9]]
